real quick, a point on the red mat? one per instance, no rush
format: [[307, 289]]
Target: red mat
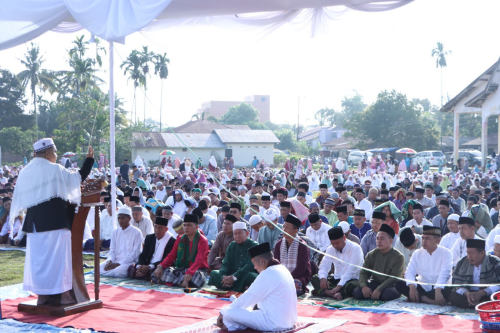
[[127, 310]]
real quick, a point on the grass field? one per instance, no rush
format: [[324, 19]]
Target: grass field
[[12, 266]]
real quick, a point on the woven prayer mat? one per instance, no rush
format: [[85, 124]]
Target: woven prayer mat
[[303, 325]]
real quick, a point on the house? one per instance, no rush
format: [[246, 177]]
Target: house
[[240, 143], [480, 96]]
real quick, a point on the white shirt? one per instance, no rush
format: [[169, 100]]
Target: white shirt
[[145, 225], [351, 253], [106, 223], [490, 240], [160, 247], [414, 223], [126, 245], [407, 253], [367, 206], [160, 195], [459, 249], [449, 239], [319, 237], [431, 268], [273, 291], [171, 222]]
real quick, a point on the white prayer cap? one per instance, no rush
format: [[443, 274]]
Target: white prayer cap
[[239, 226], [497, 239], [125, 210], [43, 144], [453, 217], [345, 226], [271, 214], [254, 219]]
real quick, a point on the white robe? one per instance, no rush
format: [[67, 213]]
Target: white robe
[[48, 271], [126, 246], [273, 291]]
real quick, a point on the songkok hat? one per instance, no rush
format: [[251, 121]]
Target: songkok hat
[[406, 236], [265, 197], [257, 250], [107, 199], [496, 240], [345, 226], [43, 144], [177, 225], [202, 205], [271, 214], [286, 204], [341, 209], [418, 206], [378, 215], [432, 230], [444, 203], [197, 211], [313, 218], [388, 230], [240, 225], [339, 189], [323, 186], [466, 220], [301, 194], [283, 191], [231, 218], [236, 205], [476, 244], [359, 190], [125, 210], [293, 220], [161, 221], [453, 217], [225, 208], [359, 212], [329, 201], [192, 218], [335, 233], [134, 198], [137, 209], [254, 219]]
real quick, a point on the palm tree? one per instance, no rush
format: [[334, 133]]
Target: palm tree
[[35, 76], [146, 57], [440, 55], [161, 69], [132, 67]]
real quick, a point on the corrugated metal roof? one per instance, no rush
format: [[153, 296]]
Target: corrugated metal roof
[[147, 140], [193, 140], [205, 126], [246, 136]]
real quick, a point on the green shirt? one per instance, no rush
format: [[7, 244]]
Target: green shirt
[[390, 263], [237, 260], [332, 217]]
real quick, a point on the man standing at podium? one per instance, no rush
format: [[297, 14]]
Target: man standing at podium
[[50, 194]]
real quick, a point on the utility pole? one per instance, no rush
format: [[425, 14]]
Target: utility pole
[[298, 113]]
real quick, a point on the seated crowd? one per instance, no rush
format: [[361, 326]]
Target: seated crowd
[[341, 241]]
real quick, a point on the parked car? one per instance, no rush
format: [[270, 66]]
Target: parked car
[[473, 156], [356, 156], [433, 157]]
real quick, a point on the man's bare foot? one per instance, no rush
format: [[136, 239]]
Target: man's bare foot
[[338, 296], [328, 292], [67, 298], [43, 299], [427, 300]]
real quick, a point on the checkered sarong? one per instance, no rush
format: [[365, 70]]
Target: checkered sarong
[[175, 276]]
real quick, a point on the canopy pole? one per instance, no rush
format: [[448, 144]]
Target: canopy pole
[[112, 130]]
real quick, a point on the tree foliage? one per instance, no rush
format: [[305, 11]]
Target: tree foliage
[[12, 102], [243, 114]]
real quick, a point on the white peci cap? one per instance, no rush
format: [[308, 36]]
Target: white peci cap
[[239, 226], [254, 219], [345, 226], [43, 144], [125, 210], [453, 217]]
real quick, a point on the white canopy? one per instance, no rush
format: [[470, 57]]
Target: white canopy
[[112, 20]]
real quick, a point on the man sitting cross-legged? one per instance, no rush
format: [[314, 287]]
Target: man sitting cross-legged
[[186, 264], [222, 241], [293, 254], [272, 292], [384, 259], [346, 274], [475, 268], [126, 244], [432, 264], [236, 272], [156, 247]]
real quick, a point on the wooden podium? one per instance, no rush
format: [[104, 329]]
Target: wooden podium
[[91, 190]]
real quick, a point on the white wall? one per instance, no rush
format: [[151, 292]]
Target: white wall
[[150, 154], [243, 153]]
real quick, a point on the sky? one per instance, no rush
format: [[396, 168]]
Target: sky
[[302, 71]]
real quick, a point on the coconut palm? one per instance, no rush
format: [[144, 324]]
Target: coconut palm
[[146, 57], [161, 69], [132, 67], [440, 55], [35, 76]]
